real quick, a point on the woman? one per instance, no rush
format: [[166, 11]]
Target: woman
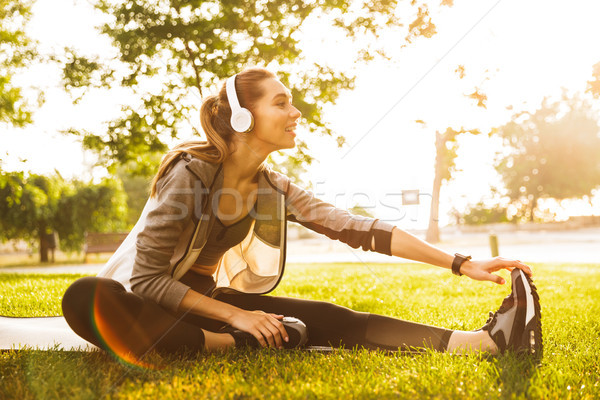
[[211, 242]]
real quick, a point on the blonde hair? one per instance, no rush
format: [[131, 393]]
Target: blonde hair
[[215, 115]]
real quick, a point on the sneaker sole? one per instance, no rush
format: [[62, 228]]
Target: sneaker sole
[[531, 340]]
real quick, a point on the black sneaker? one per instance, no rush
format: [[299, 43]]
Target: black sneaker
[[517, 325], [295, 329]]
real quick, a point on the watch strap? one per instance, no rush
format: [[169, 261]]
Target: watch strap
[[459, 259]]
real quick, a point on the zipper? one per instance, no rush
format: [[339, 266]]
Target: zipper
[[210, 221]]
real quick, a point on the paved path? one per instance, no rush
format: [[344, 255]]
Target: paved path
[[577, 246]]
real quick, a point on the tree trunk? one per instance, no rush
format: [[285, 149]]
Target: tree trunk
[[532, 207], [433, 230], [43, 246]]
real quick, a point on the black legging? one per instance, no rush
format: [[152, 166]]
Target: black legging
[[103, 313]]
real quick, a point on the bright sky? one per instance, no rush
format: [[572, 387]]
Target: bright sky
[[529, 49]]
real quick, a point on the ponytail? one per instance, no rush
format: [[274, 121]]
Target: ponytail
[[215, 150], [215, 115]]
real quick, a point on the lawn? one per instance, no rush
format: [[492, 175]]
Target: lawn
[[570, 368]]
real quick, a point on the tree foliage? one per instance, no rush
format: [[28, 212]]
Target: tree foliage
[[136, 188], [594, 83], [17, 50], [27, 205], [87, 207], [446, 148], [481, 213], [357, 209], [553, 153], [32, 206], [171, 50]]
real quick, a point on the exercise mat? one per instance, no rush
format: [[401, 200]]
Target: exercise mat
[[40, 333], [53, 333]]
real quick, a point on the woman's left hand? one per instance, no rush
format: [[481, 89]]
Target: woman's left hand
[[482, 270]]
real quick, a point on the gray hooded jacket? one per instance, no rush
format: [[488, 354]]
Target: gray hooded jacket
[[175, 224]]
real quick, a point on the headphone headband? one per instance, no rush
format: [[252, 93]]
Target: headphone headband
[[241, 118], [232, 94]]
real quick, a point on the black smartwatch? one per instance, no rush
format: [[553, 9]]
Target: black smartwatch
[[459, 259]]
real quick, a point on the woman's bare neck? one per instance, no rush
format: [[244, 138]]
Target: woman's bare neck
[[241, 168]]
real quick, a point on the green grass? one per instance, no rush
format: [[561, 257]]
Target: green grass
[[570, 368]]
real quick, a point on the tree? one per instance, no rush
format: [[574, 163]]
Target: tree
[[553, 153], [16, 52], [88, 207], [446, 146], [594, 83], [292, 167], [357, 209], [480, 214], [27, 206], [33, 206], [136, 187], [172, 50]]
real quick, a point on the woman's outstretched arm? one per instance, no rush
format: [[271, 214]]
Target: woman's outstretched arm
[[371, 234], [411, 247]]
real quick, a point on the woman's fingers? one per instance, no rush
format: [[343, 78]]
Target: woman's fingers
[[281, 327], [524, 267], [483, 270], [274, 336], [259, 336], [512, 264], [266, 328], [496, 279], [268, 336], [280, 332], [283, 333], [269, 330], [503, 263]]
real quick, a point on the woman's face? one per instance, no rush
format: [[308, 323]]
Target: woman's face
[[274, 118]]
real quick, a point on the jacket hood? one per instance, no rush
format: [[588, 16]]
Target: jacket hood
[[203, 170]]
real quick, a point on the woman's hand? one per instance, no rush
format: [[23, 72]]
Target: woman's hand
[[266, 328], [482, 270]]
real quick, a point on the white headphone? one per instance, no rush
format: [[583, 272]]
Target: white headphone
[[241, 118]]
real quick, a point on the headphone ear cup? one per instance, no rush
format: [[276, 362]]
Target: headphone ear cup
[[242, 121]]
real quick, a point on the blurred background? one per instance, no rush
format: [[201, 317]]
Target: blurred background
[[464, 122]]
